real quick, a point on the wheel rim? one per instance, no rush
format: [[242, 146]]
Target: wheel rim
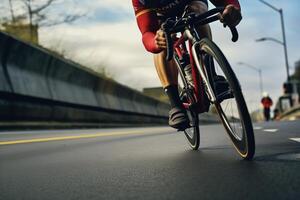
[[230, 112], [190, 132]]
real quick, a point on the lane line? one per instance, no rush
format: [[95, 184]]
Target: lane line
[[87, 131], [73, 137], [295, 139], [270, 130], [257, 127]]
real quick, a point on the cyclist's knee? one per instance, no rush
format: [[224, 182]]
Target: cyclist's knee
[[199, 7], [204, 31]]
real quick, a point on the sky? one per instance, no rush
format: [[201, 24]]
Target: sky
[[108, 36]]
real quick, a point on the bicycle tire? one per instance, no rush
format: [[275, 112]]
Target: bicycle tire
[[245, 142], [193, 133]]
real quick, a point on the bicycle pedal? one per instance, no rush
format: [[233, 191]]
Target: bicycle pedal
[[225, 95]]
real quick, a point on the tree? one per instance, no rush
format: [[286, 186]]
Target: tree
[[32, 14]]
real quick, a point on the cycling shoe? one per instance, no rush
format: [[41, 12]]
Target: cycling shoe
[[178, 119]]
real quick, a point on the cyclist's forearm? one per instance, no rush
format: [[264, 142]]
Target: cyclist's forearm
[[226, 2], [148, 25], [149, 42]]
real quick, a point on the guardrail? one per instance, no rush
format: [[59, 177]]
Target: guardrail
[[35, 85], [292, 113]]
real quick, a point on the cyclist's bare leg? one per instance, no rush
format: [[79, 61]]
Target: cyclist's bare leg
[[167, 71], [199, 7], [168, 74]]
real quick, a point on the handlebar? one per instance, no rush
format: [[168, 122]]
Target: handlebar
[[170, 26]]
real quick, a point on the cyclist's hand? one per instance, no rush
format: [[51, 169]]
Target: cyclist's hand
[[160, 39], [231, 16]]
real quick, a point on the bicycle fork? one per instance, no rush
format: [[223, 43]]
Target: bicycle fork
[[200, 64]]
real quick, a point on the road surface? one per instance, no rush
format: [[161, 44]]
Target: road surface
[[148, 163]]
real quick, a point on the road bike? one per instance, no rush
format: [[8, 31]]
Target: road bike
[[199, 62]]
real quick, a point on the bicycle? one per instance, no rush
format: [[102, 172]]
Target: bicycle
[[206, 61]]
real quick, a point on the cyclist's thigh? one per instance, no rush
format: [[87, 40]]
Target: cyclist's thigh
[[199, 7]]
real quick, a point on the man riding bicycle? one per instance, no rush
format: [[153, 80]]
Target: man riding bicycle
[[150, 14]]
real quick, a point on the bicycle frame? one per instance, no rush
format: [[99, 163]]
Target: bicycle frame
[[196, 65], [186, 27]]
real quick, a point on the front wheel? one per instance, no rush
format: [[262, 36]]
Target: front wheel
[[231, 107]]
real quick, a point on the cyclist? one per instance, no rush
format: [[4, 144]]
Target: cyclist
[[149, 15], [267, 102]]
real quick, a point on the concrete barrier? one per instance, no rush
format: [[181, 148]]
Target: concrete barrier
[[5, 84], [26, 69], [70, 84], [34, 84]]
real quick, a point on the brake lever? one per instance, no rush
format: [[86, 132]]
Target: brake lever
[[235, 34], [233, 30]]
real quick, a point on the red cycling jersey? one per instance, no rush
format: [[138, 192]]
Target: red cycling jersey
[[267, 102], [148, 22]]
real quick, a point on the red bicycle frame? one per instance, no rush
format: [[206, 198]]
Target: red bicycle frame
[[181, 49]]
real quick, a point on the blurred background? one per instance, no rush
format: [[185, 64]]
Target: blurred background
[[102, 35]]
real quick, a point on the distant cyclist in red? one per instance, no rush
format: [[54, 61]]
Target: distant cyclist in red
[[149, 14], [267, 102]]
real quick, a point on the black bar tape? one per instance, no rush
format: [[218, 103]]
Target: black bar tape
[[235, 34]]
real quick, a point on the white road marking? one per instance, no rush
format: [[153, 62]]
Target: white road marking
[[295, 139], [270, 130], [294, 157], [257, 127]]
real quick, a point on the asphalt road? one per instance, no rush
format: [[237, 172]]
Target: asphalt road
[[148, 163]]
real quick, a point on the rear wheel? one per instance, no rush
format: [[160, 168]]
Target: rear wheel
[[230, 105], [188, 99], [193, 132]]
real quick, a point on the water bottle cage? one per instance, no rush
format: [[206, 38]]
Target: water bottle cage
[[185, 60]]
